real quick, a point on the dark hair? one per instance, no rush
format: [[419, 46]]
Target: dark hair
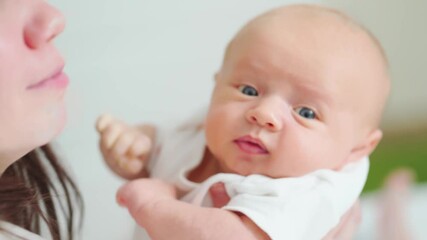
[[36, 190]]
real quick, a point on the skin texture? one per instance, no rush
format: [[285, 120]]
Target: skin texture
[[29, 117], [281, 60], [301, 88]]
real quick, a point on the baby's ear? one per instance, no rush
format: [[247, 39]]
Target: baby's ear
[[366, 146]]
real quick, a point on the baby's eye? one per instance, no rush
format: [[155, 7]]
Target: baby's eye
[[306, 112], [248, 90]]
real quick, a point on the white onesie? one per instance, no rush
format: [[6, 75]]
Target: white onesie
[[298, 208]]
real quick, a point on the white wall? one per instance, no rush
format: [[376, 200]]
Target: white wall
[[153, 60]]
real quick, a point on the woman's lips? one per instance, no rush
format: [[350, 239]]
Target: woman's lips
[[57, 80], [251, 145]]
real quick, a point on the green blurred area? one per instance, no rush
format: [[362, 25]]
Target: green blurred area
[[405, 149]]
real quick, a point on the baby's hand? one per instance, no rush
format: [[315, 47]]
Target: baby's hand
[[141, 196], [218, 195], [123, 147]]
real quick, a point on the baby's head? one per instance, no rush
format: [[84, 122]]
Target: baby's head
[[301, 88]]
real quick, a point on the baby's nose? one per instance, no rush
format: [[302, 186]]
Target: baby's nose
[[266, 115]]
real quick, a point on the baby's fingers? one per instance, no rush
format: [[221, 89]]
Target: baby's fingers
[[129, 151], [131, 166], [103, 121], [123, 143], [140, 146], [110, 134]]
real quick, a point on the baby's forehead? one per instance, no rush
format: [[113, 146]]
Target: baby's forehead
[[329, 40], [304, 22], [311, 32], [312, 14]]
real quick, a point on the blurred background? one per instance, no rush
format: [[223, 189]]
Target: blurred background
[[154, 61]]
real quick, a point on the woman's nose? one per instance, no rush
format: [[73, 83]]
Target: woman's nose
[[43, 25], [266, 115]]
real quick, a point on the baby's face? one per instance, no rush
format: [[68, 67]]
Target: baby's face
[[284, 105]]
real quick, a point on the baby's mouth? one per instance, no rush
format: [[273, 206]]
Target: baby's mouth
[[251, 145]]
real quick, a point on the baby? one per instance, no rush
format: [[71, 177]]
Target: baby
[[294, 114]]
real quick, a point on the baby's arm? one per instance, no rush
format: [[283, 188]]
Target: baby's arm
[[165, 217], [126, 149]]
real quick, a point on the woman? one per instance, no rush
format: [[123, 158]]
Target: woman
[[32, 113]]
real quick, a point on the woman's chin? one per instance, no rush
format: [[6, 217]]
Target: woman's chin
[[11, 157], [58, 124], [51, 131]]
